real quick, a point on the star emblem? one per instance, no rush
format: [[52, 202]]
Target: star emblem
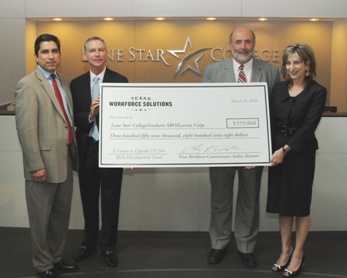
[[195, 69]]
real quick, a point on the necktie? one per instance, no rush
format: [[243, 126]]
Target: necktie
[[242, 77], [94, 132], [60, 100]]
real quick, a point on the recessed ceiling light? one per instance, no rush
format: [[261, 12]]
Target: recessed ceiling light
[[262, 19], [211, 18], [160, 18], [108, 18], [314, 19], [57, 19]]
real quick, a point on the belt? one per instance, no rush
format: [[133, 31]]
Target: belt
[[92, 140], [287, 131]]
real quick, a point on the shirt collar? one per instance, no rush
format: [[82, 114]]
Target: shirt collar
[[101, 75], [47, 74], [247, 65]]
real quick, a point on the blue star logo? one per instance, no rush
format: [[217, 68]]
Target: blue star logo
[[196, 67]]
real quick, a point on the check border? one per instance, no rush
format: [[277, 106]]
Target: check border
[[121, 91]]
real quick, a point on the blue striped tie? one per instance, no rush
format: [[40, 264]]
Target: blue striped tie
[[94, 132]]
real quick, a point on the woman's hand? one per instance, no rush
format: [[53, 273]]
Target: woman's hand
[[277, 157]]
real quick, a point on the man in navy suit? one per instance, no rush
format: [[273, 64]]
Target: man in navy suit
[[242, 43], [92, 179]]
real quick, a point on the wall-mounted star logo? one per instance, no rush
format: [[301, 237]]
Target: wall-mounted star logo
[[195, 69]]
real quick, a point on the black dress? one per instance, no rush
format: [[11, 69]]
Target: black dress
[[293, 122]]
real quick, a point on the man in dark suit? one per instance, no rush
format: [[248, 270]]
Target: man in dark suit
[[93, 179], [44, 121], [242, 43]]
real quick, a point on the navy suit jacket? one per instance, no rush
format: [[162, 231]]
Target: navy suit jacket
[[302, 112], [81, 95]]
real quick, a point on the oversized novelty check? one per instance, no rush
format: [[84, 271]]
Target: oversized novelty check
[[184, 125]]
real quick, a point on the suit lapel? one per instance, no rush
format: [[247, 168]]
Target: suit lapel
[[49, 91], [256, 71], [66, 87], [229, 71], [85, 90], [108, 76]]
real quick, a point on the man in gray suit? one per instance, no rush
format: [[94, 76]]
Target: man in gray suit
[[242, 43], [44, 121]]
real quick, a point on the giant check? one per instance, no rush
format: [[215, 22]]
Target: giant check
[[184, 125]]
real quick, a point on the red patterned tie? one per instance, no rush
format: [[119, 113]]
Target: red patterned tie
[[242, 77], [60, 100]]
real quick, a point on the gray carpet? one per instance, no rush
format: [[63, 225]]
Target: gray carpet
[[174, 254]]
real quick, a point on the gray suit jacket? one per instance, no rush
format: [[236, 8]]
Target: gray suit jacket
[[223, 71], [42, 128], [246, 216]]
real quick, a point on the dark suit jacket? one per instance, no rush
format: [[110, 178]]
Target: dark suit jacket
[[42, 128], [223, 71], [81, 94], [302, 112]]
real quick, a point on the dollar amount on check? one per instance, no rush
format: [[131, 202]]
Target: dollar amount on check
[[184, 125]]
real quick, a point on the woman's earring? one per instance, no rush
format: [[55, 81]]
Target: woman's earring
[[307, 71]]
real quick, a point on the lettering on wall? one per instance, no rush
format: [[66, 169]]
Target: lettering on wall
[[134, 54]]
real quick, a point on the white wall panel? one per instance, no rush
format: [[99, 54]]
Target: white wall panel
[[331, 139], [187, 8], [77, 8], [12, 56], [12, 9], [9, 140], [295, 8], [178, 199], [329, 206]]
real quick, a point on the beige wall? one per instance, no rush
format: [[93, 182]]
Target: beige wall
[[172, 35], [339, 66], [17, 41]]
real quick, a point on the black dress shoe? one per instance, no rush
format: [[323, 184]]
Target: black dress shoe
[[84, 253], [248, 259], [215, 256], [65, 266], [280, 268], [50, 273], [290, 273], [110, 258]]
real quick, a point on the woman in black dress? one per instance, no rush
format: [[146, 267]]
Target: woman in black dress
[[296, 107]]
